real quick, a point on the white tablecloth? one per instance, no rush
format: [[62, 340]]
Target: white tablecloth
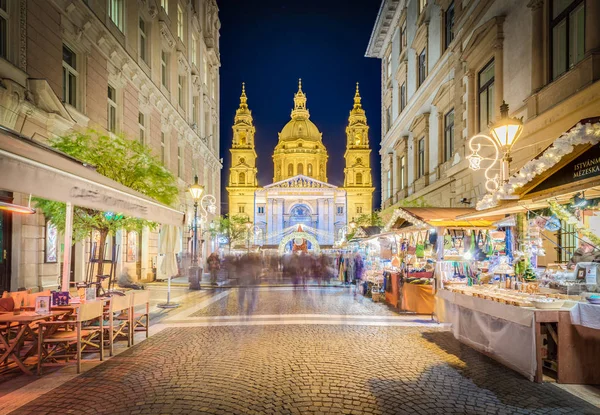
[[505, 332], [587, 315]]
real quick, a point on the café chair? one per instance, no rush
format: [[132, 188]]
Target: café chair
[[140, 313], [119, 319], [56, 338]]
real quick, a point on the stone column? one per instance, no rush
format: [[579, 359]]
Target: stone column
[[498, 78], [537, 44], [441, 146], [471, 105], [592, 34]]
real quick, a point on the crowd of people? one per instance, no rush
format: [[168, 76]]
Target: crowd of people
[[249, 269]]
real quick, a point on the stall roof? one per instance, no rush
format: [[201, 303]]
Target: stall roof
[[27, 166], [367, 231], [426, 217]]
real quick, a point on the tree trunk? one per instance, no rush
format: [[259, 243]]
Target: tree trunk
[[101, 251]]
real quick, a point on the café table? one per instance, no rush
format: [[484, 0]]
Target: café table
[[10, 349]]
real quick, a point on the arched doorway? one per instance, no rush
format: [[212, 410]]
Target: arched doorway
[[300, 215]]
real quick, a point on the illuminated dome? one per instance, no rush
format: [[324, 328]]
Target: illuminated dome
[[300, 149]]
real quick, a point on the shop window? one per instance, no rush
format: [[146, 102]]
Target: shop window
[[70, 76], [115, 12], [421, 158], [132, 246], [486, 95], [51, 243], [448, 25], [112, 109], [143, 28], [567, 28], [449, 135], [422, 66], [4, 19]]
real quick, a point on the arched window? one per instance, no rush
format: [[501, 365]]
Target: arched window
[[358, 178], [290, 169], [300, 168], [309, 169], [242, 178]]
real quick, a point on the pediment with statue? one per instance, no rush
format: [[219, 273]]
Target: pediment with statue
[[300, 181]]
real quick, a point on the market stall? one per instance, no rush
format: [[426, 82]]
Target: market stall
[[546, 302], [431, 240]]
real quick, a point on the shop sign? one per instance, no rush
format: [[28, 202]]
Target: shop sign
[[583, 167]]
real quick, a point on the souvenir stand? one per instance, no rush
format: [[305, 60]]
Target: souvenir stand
[[376, 255], [546, 315], [431, 245]]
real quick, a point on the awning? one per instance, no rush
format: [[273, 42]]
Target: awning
[[27, 166], [425, 217]]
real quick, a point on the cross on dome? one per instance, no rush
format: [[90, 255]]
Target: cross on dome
[[300, 110]]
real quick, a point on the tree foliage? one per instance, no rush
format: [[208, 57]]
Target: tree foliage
[[233, 227], [127, 162]]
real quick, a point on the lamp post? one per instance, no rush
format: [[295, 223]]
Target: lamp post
[[196, 191], [504, 134]]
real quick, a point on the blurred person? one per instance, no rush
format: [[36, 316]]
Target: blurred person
[[214, 265]]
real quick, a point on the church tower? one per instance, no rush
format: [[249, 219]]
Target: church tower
[[242, 173], [357, 174]]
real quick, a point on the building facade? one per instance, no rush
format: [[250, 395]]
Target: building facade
[[299, 199], [147, 69], [447, 67]]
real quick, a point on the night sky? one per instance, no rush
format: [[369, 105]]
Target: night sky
[[269, 44]]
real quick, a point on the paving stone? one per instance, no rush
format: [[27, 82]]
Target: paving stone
[[303, 369]]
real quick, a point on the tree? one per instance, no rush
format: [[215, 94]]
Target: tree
[[367, 219], [233, 227], [127, 162]]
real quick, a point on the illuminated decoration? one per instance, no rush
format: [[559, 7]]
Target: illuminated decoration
[[475, 160], [563, 214], [11, 207], [578, 135], [196, 189], [401, 213]]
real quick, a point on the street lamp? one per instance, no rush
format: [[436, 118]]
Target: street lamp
[[196, 191], [504, 134]]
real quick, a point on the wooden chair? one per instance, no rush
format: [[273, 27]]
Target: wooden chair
[[119, 319], [140, 313], [56, 338], [30, 300], [20, 298]]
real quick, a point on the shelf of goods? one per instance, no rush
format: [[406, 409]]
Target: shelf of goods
[[526, 332]]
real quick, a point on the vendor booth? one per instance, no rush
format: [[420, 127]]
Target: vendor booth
[[542, 316], [432, 245]]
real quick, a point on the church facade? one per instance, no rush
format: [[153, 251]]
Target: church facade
[[300, 207]]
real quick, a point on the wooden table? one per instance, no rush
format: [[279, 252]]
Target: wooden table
[[10, 348]]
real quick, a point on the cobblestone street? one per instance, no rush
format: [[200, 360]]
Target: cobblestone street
[[301, 368]]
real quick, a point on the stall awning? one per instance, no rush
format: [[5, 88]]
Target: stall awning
[[425, 217], [27, 166]]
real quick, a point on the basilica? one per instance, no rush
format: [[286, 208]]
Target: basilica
[[300, 208]]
